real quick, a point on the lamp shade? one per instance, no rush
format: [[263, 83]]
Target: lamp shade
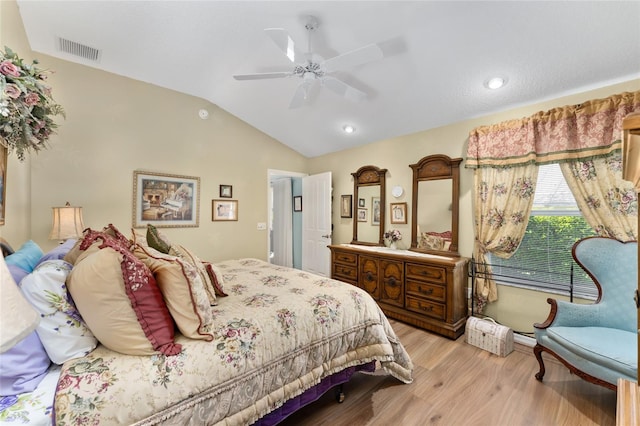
[[67, 223], [631, 149], [17, 316]]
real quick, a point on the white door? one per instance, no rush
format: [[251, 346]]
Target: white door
[[316, 223]]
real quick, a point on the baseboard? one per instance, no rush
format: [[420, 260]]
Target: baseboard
[[524, 340]]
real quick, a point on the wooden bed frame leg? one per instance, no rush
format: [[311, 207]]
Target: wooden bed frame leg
[[537, 351], [339, 394]]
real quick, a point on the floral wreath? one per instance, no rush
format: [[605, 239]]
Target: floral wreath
[[26, 105]]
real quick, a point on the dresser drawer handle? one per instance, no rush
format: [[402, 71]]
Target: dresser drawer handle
[[392, 282], [369, 276], [427, 292], [426, 308]]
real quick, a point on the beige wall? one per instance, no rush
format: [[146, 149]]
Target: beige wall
[[116, 125]]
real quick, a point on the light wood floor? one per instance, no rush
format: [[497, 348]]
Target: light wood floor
[[458, 384]]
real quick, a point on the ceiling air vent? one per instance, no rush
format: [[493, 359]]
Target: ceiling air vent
[[77, 49]]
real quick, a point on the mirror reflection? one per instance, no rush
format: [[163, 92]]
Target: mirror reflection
[[368, 205], [434, 227]]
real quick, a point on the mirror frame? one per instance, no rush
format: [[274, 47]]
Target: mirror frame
[[437, 167], [369, 176]]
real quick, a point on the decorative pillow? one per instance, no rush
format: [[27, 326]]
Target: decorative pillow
[[26, 257], [59, 252], [62, 330], [430, 242], [25, 363], [215, 274], [186, 255], [120, 301], [23, 366], [157, 240], [183, 292]]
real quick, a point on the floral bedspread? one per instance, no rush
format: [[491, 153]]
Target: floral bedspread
[[278, 333]]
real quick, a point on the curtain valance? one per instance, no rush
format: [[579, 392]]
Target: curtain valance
[[567, 133]]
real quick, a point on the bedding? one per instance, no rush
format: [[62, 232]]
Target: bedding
[[280, 338]]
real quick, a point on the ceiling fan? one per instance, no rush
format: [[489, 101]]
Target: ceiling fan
[[313, 69]]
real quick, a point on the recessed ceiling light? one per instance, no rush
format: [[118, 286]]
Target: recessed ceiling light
[[495, 83], [348, 128]]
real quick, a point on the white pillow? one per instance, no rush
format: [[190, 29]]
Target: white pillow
[[62, 330]]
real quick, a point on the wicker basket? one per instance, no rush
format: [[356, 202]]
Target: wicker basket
[[486, 334]]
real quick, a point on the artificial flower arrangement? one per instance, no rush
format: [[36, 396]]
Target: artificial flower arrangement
[[26, 105], [393, 235]]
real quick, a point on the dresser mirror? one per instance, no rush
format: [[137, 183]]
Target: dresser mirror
[[434, 207], [369, 206]]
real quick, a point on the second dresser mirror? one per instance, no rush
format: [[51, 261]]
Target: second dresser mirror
[[434, 227], [369, 205]]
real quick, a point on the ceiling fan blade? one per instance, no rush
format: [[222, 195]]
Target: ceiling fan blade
[[301, 95], [353, 58], [285, 43], [343, 89], [263, 75]]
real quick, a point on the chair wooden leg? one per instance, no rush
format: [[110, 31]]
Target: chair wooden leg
[[537, 351]]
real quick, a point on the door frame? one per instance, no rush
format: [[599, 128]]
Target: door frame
[[273, 174]]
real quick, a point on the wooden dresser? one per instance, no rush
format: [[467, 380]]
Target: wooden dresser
[[424, 290]]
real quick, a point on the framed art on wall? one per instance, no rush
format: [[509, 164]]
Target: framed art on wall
[[224, 210], [375, 211], [345, 206], [362, 215], [165, 200], [297, 203], [226, 191], [398, 212]]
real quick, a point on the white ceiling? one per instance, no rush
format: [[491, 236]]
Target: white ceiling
[[437, 56]]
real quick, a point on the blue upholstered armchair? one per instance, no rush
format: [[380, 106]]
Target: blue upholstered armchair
[[598, 341]]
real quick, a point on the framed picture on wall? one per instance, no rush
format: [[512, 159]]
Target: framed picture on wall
[[362, 215], [224, 210], [165, 200], [297, 203], [375, 211], [361, 202], [398, 212], [226, 191], [346, 206], [3, 181]]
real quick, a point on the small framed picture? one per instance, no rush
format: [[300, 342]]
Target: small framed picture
[[398, 212], [346, 206], [375, 211], [297, 203], [226, 191], [362, 215], [361, 202], [224, 210]]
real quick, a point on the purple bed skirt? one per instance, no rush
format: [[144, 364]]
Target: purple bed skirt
[[310, 395]]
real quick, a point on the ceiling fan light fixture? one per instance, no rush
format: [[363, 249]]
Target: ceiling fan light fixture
[[348, 128], [495, 83]]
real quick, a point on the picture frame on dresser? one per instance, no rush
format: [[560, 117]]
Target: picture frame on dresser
[[165, 200]]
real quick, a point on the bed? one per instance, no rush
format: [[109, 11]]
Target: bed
[[275, 339]]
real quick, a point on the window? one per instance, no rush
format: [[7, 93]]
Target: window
[[543, 261]]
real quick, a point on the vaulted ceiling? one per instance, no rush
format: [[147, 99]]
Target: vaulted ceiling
[[436, 57]]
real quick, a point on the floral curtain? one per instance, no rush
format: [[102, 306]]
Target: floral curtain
[[608, 203], [503, 200], [506, 155]]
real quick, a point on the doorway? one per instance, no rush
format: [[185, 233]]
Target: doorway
[[295, 232]]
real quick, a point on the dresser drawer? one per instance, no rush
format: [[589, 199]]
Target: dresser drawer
[[429, 273], [346, 258], [428, 290], [344, 272], [426, 307]]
